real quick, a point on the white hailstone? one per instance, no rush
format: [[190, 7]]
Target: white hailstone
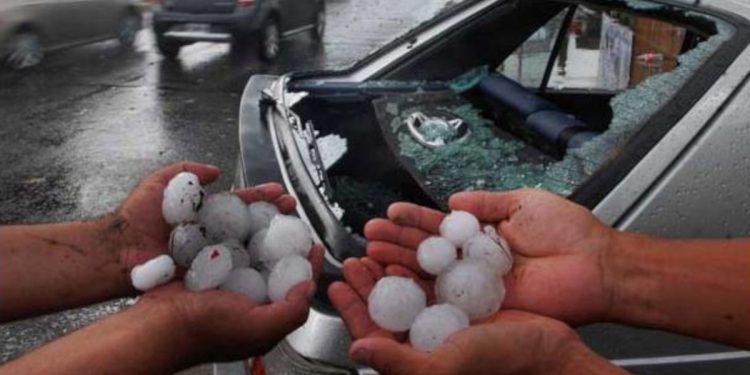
[[254, 247], [183, 197], [288, 272], [185, 242], [395, 302], [483, 247], [286, 235], [434, 324], [458, 227], [436, 253], [261, 214], [472, 286], [225, 217], [210, 268], [248, 282], [153, 273], [240, 257]]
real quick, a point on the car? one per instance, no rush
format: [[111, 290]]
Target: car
[[31, 28], [635, 109], [263, 23]]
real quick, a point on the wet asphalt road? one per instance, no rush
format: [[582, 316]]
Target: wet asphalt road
[[79, 131]]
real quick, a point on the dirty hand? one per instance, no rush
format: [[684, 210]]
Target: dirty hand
[[141, 228], [217, 325], [559, 248], [510, 342]]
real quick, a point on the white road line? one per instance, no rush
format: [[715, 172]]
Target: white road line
[[630, 362]]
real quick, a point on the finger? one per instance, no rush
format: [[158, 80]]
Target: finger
[[286, 204], [206, 173], [396, 270], [280, 318], [412, 215], [375, 269], [358, 277], [266, 192], [387, 356], [353, 311], [387, 253], [487, 206], [316, 260], [388, 231]]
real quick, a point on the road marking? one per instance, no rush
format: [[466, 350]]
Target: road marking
[[630, 362]]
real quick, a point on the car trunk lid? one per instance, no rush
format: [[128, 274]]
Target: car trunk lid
[[201, 6]]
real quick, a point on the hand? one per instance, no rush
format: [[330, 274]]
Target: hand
[[511, 342], [217, 325], [139, 221], [559, 248]]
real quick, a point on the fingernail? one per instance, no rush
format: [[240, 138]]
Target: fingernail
[[266, 185]]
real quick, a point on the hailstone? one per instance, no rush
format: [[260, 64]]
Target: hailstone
[[261, 214], [436, 253], [254, 247], [458, 227], [472, 286], [395, 302], [288, 272], [185, 242], [248, 282], [434, 324], [240, 257], [183, 197], [210, 268], [286, 235], [483, 247], [225, 217], [153, 273]]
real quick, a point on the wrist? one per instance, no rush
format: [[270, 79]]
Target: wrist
[[627, 277]]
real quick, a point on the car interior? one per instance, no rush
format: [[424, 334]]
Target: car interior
[[547, 95]]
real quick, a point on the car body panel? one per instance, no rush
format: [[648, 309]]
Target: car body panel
[[64, 23], [691, 183]]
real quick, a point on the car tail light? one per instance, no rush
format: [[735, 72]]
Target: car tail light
[[245, 3]]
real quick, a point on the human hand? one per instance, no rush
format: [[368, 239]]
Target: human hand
[[559, 248], [510, 342], [140, 226], [217, 325]]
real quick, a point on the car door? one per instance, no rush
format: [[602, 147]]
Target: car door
[[56, 19]]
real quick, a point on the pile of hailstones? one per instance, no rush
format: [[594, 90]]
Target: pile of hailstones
[[248, 249], [467, 288]]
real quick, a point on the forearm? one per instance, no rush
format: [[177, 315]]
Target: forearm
[[52, 267], [138, 341], [699, 288]]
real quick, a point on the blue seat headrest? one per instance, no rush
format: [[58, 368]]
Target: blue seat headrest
[[503, 90]]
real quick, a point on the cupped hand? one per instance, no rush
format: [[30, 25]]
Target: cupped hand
[[559, 248], [142, 230], [510, 342], [217, 325]]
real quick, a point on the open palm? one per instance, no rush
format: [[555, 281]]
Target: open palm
[[557, 245], [139, 220]]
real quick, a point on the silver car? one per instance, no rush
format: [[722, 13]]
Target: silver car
[[30, 28], [635, 109]]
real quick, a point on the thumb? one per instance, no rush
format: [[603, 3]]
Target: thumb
[[387, 356]]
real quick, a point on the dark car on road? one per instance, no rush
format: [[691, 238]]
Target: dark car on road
[[635, 109], [244, 23]]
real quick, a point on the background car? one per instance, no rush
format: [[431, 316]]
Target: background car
[[637, 111], [242, 22], [30, 28]]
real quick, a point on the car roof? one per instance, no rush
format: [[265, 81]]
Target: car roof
[[737, 7]]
